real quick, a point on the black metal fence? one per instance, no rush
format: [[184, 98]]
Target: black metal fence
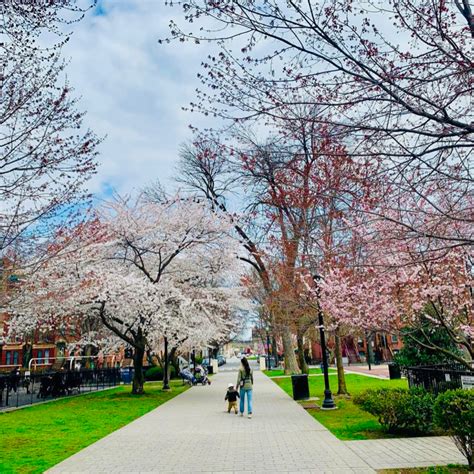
[[23, 389], [438, 378]]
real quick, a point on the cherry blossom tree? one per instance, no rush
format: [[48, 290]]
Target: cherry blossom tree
[[393, 81], [396, 289], [440, 290], [298, 185], [394, 77], [144, 271], [46, 153]]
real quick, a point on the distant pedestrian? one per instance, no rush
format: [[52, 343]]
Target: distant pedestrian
[[14, 379], [231, 397], [245, 383]]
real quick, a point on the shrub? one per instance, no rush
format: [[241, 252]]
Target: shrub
[[399, 409], [454, 413], [413, 353], [156, 373]]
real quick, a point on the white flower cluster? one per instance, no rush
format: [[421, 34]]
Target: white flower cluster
[[139, 272]]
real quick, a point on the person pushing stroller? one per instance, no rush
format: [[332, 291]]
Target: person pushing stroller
[[231, 397]]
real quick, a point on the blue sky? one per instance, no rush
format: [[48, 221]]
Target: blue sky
[[133, 89]]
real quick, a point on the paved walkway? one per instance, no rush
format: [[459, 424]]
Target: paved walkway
[[378, 371], [193, 433], [408, 452]]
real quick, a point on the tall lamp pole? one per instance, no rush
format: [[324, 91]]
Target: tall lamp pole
[[328, 403], [269, 365], [166, 384]]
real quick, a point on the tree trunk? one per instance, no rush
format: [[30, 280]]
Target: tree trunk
[[275, 350], [174, 360], [341, 378], [138, 377], [291, 365], [301, 359], [193, 360], [313, 338], [87, 354], [368, 341], [166, 368]]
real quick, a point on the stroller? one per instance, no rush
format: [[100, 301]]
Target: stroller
[[191, 379], [201, 376]]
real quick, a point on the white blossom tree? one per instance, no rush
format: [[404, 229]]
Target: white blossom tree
[[142, 270]]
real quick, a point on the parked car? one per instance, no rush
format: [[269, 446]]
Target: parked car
[[221, 360]]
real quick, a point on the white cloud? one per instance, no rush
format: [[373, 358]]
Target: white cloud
[[133, 90]]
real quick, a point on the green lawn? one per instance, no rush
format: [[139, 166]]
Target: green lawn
[[348, 422], [35, 438], [279, 372]]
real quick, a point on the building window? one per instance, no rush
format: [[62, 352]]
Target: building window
[[11, 357], [39, 356], [394, 338], [46, 356]]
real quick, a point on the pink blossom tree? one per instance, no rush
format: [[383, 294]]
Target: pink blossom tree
[[394, 78], [397, 289]]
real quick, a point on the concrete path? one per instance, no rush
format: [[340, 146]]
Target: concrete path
[[408, 452], [378, 371], [193, 433]]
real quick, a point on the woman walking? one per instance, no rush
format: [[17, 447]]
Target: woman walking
[[245, 382]]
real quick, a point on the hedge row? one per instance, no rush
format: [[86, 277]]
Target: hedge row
[[156, 373], [416, 411]]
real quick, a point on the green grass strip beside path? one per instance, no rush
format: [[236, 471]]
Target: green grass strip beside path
[[281, 373], [36, 438], [348, 422]]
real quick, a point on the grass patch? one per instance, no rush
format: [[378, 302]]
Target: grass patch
[[36, 438], [348, 422], [280, 373], [450, 469]]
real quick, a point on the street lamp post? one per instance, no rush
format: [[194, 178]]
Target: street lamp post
[[269, 366], [328, 403], [166, 384]]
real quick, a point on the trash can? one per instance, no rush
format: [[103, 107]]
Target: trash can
[[394, 371], [126, 374], [300, 387], [210, 369]]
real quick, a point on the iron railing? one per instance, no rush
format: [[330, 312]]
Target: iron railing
[[26, 389], [437, 378]]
